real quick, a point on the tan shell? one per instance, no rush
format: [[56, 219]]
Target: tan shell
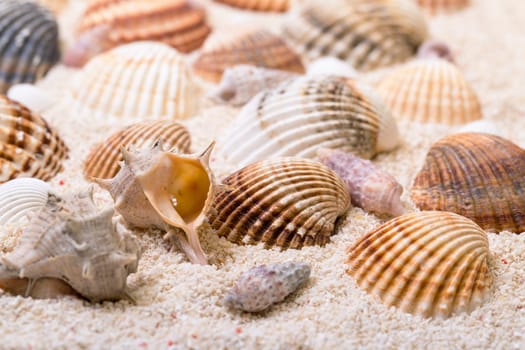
[[479, 176], [433, 264], [287, 202], [143, 80], [29, 147], [259, 5], [256, 47], [437, 6], [430, 91], [104, 159]]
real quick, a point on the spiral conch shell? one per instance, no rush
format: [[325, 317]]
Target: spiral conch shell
[[259, 5], [433, 264], [479, 176], [155, 188], [286, 202]]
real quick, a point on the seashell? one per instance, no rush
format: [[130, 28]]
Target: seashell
[[432, 264], [240, 83], [32, 97], [306, 113], [73, 240], [107, 23], [104, 159], [430, 91], [436, 6], [431, 49], [367, 34], [257, 47], [29, 44], [29, 147], [259, 5], [262, 286], [331, 66], [370, 188], [43, 288], [125, 82], [173, 192], [479, 176], [55, 6], [287, 202]]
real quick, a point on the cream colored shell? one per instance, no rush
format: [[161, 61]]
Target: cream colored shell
[[19, 197]]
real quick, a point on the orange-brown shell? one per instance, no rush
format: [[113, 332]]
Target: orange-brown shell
[[437, 6], [479, 176], [259, 5]]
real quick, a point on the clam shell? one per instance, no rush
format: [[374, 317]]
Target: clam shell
[[433, 264], [430, 91], [258, 5], [29, 44], [367, 34], [479, 176], [143, 80], [29, 147], [437, 6], [306, 113], [256, 47], [287, 202]]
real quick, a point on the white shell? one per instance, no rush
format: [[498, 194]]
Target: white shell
[[331, 66], [30, 96], [19, 197]]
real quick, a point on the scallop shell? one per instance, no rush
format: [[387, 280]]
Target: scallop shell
[[306, 113], [479, 176], [436, 6], [433, 264], [104, 159], [366, 33], [287, 202], [143, 80], [29, 44], [29, 147], [430, 91], [259, 5], [256, 47]]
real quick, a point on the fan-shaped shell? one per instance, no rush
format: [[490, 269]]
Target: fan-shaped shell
[[430, 91], [365, 33], [256, 47], [140, 80], [28, 145], [259, 5], [29, 44], [287, 202], [19, 197], [434, 264], [436, 6], [479, 176], [305, 113]]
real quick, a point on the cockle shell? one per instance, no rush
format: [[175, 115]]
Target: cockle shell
[[259, 5], [140, 80], [287, 202], [479, 176], [306, 113], [433, 264], [173, 192], [257, 47], [436, 6], [370, 187], [109, 23], [28, 145], [104, 159], [73, 240], [262, 286], [366, 33], [29, 44]]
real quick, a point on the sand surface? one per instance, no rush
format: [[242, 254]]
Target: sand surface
[[179, 304]]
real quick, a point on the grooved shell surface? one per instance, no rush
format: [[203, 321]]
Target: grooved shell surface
[[287, 202], [259, 5], [479, 176], [437, 6], [19, 197], [433, 264]]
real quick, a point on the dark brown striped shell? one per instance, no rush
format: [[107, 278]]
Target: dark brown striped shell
[[259, 5], [28, 145], [479, 176]]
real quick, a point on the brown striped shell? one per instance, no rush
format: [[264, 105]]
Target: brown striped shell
[[286, 202], [104, 159], [430, 91], [29, 147], [433, 264], [257, 47], [437, 6], [259, 5], [479, 176]]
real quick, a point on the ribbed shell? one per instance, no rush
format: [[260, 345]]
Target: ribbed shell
[[430, 91], [433, 264], [103, 161], [19, 197], [479, 176], [259, 5], [436, 6], [29, 147], [287, 202], [143, 80], [29, 44], [366, 33], [306, 113], [257, 47]]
